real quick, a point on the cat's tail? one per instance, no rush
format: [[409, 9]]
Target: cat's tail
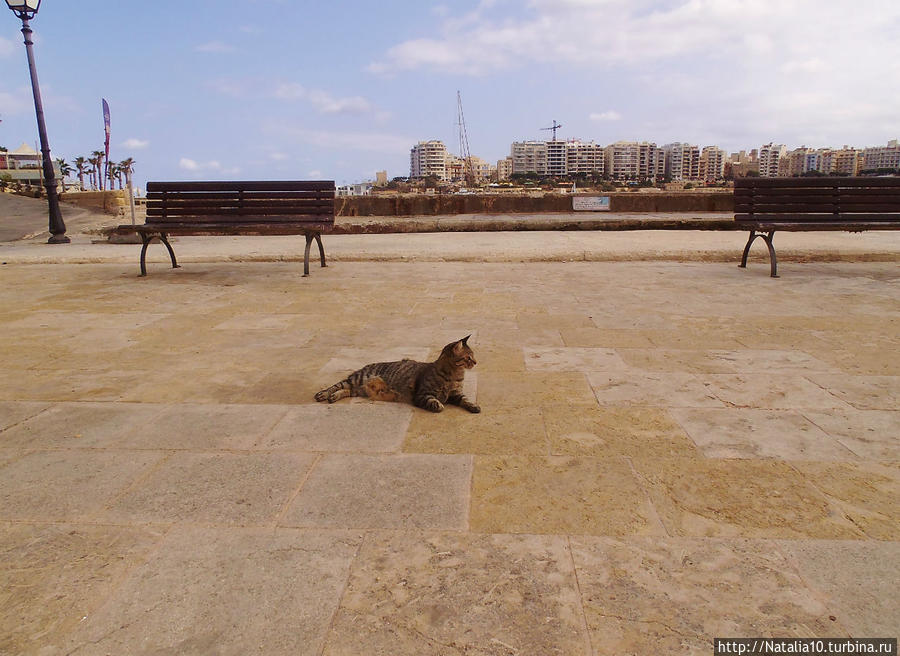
[[336, 392]]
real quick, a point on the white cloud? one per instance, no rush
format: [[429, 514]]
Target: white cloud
[[13, 103], [278, 157], [290, 91], [610, 115], [359, 141], [217, 47], [323, 101], [314, 174], [7, 48], [212, 166], [604, 33], [136, 144]]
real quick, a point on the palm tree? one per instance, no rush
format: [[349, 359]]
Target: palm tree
[[99, 156], [126, 166], [65, 169], [115, 175], [81, 167]]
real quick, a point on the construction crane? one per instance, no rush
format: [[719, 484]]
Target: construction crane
[[554, 127], [464, 152]]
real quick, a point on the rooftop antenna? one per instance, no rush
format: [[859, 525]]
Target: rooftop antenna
[[554, 127], [464, 143]]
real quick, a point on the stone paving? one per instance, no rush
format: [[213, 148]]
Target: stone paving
[[667, 452]]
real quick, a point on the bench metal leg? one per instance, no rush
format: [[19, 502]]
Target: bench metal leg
[[309, 239], [766, 237], [146, 239]]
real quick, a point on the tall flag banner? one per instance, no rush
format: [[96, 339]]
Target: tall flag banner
[[106, 125]]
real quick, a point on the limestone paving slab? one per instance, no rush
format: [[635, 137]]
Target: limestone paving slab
[[870, 434], [866, 493], [68, 485], [217, 591], [384, 492], [80, 425], [863, 392], [751, 433], [772, 391], [14, 412], [857, 580], [740, 498], [203, 426], [559, 495], [235, 489], [573, 359], [605, 337], [532, 389], [500, 431], [634, 387], [674, 595], [363, 427], [609, 431], [413, 593], [52, 576]]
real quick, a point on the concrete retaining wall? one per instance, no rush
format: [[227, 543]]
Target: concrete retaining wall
[[108, 202]]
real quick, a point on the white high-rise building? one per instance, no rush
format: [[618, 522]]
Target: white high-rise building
[[628, 160], [529, 157], [682, 161], [712, 163], [769, 157], [584, 158], [429, 158], [882, 157]]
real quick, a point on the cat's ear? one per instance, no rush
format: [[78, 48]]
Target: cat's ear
[[465, 339]]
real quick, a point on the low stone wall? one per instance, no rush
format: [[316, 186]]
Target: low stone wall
[[108, 202], [426, 205]]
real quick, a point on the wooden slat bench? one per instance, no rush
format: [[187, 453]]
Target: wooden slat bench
[[854, 204], [236, 208]]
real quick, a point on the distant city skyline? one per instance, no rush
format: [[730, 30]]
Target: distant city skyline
[[270, 89]]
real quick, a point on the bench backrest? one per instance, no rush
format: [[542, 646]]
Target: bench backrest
[[817, 200], [264, 202]]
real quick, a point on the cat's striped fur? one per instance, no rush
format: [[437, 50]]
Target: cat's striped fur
[[428, 385]]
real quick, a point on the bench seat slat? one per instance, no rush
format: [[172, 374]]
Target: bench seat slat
[[251, 229], [259, 210], [231, 186], [239, 219], [249, 195], [849, 218]]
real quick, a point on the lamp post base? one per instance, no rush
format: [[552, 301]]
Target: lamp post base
[[59, 239]]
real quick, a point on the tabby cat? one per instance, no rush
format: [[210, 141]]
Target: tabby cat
[[428, 385]]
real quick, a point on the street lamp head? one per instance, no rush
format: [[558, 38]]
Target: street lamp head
[[24, 9]]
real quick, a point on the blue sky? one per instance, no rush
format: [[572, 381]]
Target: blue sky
[[281, 89]]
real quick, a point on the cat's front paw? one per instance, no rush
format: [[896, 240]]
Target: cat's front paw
[[434, 405], [471, 407], [322, 396]]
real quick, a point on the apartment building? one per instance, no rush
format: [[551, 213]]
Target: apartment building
[[770, 157], [629, 160], [842, 161], [429, 158], [882, 157], [682, 161], [529, 157], [712, 163], [504, 169], [556, 157], [584, 158]]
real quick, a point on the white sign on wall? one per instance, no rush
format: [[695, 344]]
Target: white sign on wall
[[590, 203]]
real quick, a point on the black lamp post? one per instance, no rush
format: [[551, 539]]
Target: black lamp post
[[26, 9]]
